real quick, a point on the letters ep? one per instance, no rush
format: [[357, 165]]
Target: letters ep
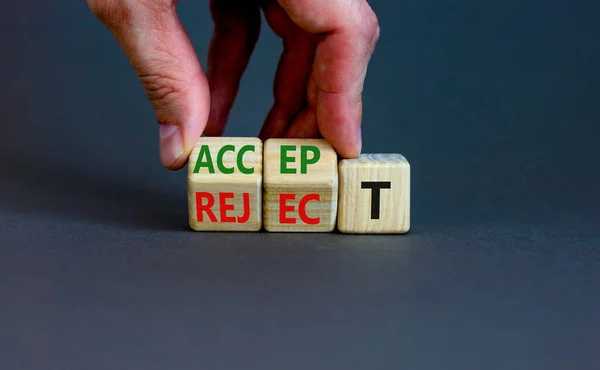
[[304, 159]]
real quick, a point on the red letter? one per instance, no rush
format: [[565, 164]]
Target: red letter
[[205, 207], [302, 209], [224, 207], [284, 209], [246, 216]]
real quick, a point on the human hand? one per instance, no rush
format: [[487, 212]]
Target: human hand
[[318, 85]]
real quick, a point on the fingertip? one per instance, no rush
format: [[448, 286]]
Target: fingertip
[[275, 124], [346, 141], [339, 118], [216, 125], [350, 151], [304, 126], [172, 154], [178, 164], [358, 144]]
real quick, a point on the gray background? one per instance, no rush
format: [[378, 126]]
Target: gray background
[[495, 105]]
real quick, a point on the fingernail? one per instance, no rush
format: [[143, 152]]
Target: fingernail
[[359, 141], [171, 144]]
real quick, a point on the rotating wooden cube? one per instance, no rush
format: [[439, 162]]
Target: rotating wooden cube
[[300, 185], [225, 184]]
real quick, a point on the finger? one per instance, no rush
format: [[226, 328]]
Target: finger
[[306, 125], [163, 57], [237, 27], [292, 75], [350, 29]]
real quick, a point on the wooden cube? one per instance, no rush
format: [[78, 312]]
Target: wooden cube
[[300, 185], [225, 184], [374, 194]]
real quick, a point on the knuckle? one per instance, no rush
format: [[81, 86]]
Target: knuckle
[[115, 12], [98, 7], [108, 11], [377, 33], [373, 27], [162, 90], [368, 23]]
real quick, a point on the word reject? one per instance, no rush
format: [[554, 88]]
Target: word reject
[[295, 185]]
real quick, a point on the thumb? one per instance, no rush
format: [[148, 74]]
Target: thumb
[[163, 57]]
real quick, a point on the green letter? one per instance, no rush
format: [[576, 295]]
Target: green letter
[[240, 159], [204, 152], [304, 161], [284, 159], [222, 168]]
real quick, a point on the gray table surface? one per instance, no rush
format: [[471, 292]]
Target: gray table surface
[[496, 106]]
